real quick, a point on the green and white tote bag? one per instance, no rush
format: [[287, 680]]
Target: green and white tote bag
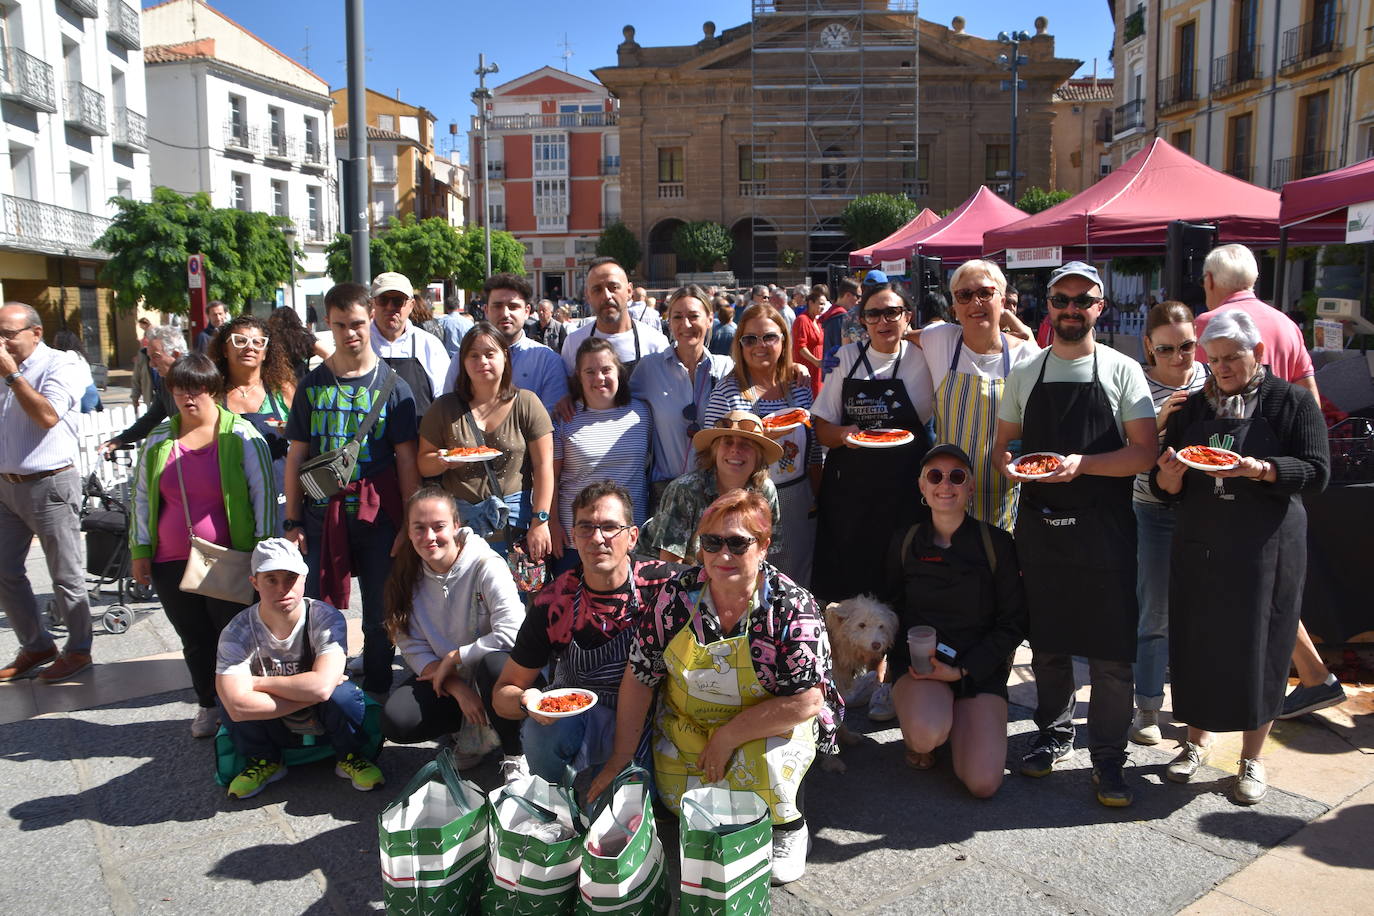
[[727, 842], [623, 867], [534, 850], [433, 841]]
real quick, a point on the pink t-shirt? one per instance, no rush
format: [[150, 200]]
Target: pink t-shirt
[[1285, 350], [200, 469]]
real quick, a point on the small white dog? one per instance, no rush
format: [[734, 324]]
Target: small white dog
[[861, 630]]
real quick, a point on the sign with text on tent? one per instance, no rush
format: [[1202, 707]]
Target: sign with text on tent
[[1045, 256], [1359, 223], [894, 268]]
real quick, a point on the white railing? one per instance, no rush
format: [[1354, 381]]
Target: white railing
[[47, 227]]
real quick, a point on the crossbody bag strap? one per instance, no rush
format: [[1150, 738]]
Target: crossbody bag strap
[[365, 428], [185, 506], [486, 465]]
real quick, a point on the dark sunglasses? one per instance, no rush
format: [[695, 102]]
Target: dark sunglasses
[[1188, 346], [395, 302], [753, 340], [957, 476], [689, 413], [892, 315], [1082, 300], [736, 544], [984, 294]]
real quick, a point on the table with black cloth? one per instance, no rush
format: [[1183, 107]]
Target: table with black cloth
[[1337, 603]]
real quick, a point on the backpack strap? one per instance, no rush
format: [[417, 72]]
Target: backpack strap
[[986, 531]]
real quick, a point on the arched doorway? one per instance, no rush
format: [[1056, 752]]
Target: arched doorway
[[754, 259], [662, 258]]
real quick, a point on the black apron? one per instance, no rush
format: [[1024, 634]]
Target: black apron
[[629, 364], [1077, 540], [866, 493], [1238, 563], [413, 371]]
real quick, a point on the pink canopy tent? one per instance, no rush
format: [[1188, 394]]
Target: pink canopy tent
[[1320, 202], [864, 257], [1129, 211], [959, 236]]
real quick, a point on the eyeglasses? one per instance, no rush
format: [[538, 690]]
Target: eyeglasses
[[753, 340], [244, 342], [10, 335], [965, 296], [957, 476], [1082, 300], [736, 544], [1188, 346], [393, 302], [609, 530], [873, 316]]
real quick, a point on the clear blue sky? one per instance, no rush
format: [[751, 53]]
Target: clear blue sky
[[427, 49]]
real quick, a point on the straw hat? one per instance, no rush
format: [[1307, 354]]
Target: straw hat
[[740, 423]]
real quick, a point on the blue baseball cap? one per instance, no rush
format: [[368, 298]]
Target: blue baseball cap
[[875, 278], [1076, 269]]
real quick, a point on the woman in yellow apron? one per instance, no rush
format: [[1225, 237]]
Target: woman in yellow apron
[[969, 362], [747, 695]]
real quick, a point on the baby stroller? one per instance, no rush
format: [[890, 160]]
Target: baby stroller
[[105, 519]]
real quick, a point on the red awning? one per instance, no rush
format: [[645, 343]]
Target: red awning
[[1321, 201], [864, 257], [959, 236], [1129, 210]]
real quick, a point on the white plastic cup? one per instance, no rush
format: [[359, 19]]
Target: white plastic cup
[[921, 641]]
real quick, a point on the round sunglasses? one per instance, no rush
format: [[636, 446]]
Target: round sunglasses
[[956, 476]]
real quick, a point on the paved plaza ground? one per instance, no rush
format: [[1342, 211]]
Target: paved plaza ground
[[108, 805]]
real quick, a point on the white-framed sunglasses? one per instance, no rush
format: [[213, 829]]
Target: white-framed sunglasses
[[244, 342]]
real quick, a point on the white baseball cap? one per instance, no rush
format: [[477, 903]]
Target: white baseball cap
[[277, 554], [390, 282]]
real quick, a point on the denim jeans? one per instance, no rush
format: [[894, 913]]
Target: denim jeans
[[1154, 525], [369, 551], [579, 742], [341, 716]]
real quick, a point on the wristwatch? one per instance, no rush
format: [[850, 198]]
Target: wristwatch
[[291, 524], [12, 378], [541, 516]]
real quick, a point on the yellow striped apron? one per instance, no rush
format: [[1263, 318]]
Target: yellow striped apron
[[966, 415]]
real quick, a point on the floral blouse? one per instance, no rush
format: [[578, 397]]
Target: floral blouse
[[787, 640], [684, 501]]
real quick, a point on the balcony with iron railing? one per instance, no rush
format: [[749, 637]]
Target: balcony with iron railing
[[27, 80], [610, 165], [309, 231], [1129, 117], [130, 130], [1237, 71], [1311, 44], [313, 156], [1134, 26], [240, 138], [1316, 162], [539, 121], [280, 148], [496, 170], [384, 174], [87, 9], [123, 25], [670, 190], [30, 225], [1177, 91], [85, 109]]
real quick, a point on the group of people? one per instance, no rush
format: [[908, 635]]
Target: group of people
[[638, 527]]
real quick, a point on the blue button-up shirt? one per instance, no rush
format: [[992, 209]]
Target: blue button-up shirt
[[534, 367], [662, 381], [26, 447]]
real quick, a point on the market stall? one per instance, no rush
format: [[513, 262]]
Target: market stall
[[864, 258], [959, 236]]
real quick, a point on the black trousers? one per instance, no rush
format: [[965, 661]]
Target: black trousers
[[415, 713], [198, 621]]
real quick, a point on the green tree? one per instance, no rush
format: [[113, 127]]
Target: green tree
[[617, 241], [507, 256], [1036, 199], [427, 250], [246, 255], [874, 217], [702, 244], [339, 257]]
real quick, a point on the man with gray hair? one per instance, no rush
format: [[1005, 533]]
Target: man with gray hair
[[40, 494], [166, 344], [1228, 279]]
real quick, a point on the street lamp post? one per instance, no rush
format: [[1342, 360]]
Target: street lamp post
[[481, 96], [1014, 60]]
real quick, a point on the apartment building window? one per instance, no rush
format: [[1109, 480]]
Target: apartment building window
[[568, 113], [1187, 62], [752, 174], [915, 169], [312, 211], [551, 204], [238, 191], [21, 171], [238, 119], [1368, 143], [1315, 150], [124, 188], [1239, 135], [313, 153], [1183, 139], [81, 188], [834, 175], [550, 154], [553, 247], [276, 119], [671, 165], [1247, 25], [386, 121], [496, 213], [996, 162], [279, 199]]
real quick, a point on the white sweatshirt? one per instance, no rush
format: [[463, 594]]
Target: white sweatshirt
[[474, 608]]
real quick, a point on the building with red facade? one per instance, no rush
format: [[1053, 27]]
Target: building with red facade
[[553, 167]]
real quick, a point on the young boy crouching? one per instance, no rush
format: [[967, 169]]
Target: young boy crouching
[[280, 674]]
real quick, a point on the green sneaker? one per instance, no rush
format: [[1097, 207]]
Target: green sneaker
[[258, 775], [363, 772]]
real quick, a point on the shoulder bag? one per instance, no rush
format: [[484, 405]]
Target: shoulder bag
[[329, 472], [212, 570]]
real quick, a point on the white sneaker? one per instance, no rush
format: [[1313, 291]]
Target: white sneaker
[[1251, 782], [514, 769], [790, 848], [880, 708], [862, 689], [1145, 728], [206, 722]]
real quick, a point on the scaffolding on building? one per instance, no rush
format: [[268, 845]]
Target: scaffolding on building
[[836, 115]]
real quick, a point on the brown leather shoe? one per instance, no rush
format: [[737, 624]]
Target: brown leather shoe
[[69, 664], [25, 662]]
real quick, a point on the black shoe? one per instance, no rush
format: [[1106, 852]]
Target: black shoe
[[1309, 699], [1042, 758], [1112, 790]]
